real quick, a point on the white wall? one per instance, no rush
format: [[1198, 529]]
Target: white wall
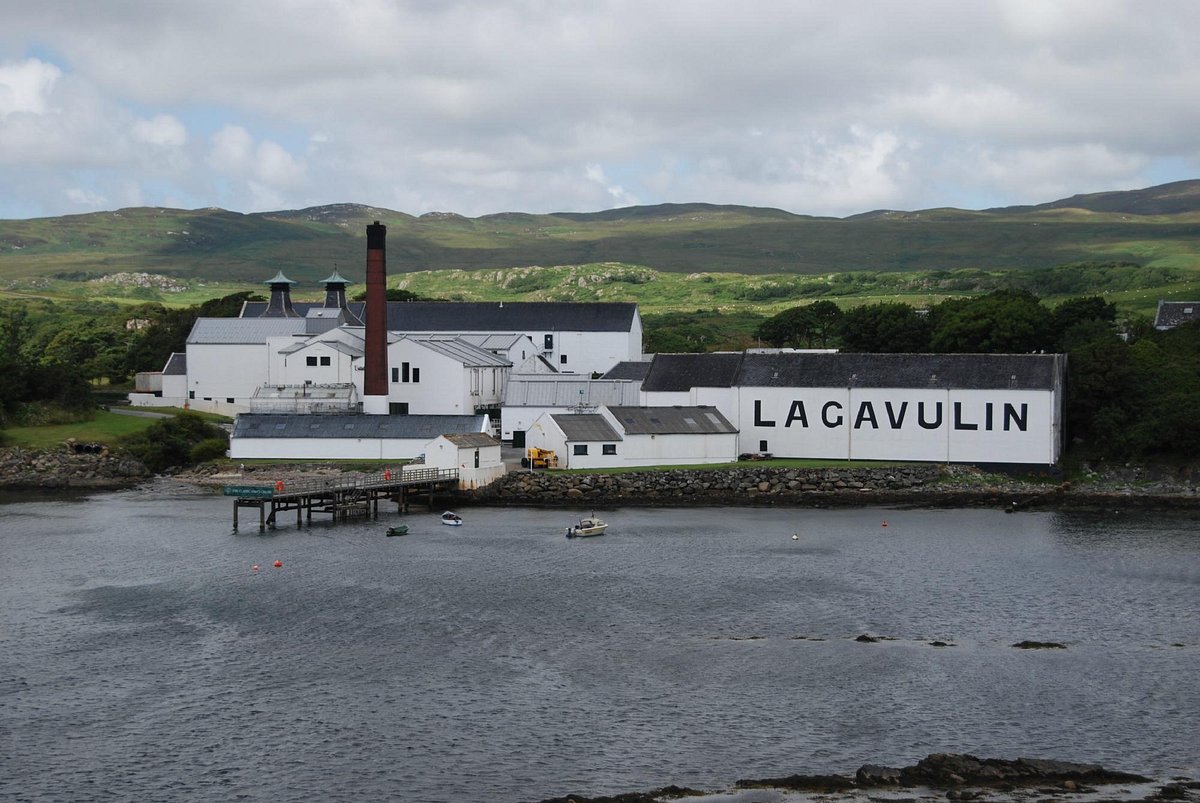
[[588, 352], [293, 369], [326, 448], [222, 371], [885, 424]]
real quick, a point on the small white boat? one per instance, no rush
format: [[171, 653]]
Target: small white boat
[[452, 519], [587, 527]]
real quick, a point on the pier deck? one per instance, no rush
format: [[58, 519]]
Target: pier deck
[[351, 495]]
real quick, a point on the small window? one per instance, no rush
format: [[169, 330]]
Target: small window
[[325, 361], [609, 448], [549, 343], [395, 374], [403, 372], [562, 359], [762, 446], [191, 394], [310, 360], [281, 426], [416, 375], [579, 448], [228, 400], [398, 408]]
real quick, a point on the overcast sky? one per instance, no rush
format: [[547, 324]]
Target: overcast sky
[[829, 108]]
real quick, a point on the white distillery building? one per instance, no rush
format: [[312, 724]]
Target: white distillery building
[[528, 396], [636, 436], [344, 437], [475, 455], [968, 408], [575, 337]]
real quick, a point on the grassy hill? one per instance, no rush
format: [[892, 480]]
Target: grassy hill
[[672, 256]]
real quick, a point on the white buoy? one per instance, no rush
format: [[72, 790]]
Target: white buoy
[[795, 536]]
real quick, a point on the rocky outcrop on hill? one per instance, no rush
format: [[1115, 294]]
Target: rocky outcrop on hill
[[72, 466]]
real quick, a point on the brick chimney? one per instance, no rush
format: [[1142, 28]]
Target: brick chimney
[[375, 367]]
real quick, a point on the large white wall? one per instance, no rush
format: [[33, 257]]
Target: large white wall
[[327, 448], [223, 371], [990, 426], [589, 352]]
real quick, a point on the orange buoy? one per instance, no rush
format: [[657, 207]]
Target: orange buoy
[[885, 524], [278, 485], [387, 473], [278, 564]]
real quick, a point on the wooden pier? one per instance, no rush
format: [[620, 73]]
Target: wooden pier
[[348, 496]]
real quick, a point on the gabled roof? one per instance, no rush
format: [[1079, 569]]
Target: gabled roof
[[176, 364], [400, 427], [672, 420], [353, 350], [585, 427], [675, 372], [490, 316], [566, 390], [628, 369], [472, 440], [243, 331], [977, 371], [458, 349], [1172, 313]]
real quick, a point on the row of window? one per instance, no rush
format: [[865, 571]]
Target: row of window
[[582, 448], [406, 373], [313, 360]]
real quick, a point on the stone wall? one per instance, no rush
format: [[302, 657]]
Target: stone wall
[[67, 468], [718, 487]]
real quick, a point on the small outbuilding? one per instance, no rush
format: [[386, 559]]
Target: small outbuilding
[[476, 455]]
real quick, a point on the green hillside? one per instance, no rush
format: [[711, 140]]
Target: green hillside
[[671, 256]]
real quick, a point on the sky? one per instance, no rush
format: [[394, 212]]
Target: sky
[[479, 107]]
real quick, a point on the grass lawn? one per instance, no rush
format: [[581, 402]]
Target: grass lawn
[[105, 428], [212, 418]]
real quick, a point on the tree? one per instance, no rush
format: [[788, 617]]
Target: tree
[[886, 327], [792, 327], [1002, 322]]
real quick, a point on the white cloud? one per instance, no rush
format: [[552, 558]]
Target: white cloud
[[25, 86], [485, 107]]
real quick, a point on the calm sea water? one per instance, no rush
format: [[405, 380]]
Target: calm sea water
[[141, 657]]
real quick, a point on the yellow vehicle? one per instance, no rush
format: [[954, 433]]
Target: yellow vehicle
[[539, 458]]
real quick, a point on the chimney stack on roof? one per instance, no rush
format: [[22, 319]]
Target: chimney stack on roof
[[335, 297], [375, 384], [280, 305]]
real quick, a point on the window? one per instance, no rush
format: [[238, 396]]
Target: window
[[403, 372], [549, 343], [416, 375], [191, 394], [762, 446], [395, 374], [608, 448], [579, 448], [562, 358], [324, 361], [310, 360], [228, 400], [398, 408]]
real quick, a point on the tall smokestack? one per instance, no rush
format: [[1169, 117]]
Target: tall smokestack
[[375, 384]]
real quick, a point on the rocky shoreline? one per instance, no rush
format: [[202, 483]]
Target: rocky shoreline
[[76, 466], [941, 776]]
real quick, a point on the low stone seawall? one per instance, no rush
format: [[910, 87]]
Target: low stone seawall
[[933, 485], [67, 468]]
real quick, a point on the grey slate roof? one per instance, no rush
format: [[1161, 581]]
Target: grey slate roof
[[490, 316], [176, 364], [1172, 313], [585, 427], [273, 425], [978, 371], [469, 440], [565, 390], [459, 349], [628, 370], [236, 331], [671, 420], [675, 372]]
